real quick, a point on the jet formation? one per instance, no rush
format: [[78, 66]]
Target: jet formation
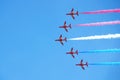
[[61, 39]]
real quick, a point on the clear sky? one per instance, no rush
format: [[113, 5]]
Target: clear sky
[[28, 29]]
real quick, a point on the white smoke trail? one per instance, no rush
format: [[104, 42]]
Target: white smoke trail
[[108, 36]]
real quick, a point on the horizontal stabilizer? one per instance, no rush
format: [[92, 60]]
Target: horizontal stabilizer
[[77, 13], [65, 39], [70, 25], [87, 64], [76, 52]]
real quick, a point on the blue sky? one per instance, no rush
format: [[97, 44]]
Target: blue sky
[[28, 29]]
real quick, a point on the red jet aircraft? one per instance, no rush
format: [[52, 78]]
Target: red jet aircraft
[[61, 40], [65, 26], [82, 64], [72, 13], [71, 52]]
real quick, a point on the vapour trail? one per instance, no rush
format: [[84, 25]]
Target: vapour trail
[[105, 63], [102, 11], [100, 23], [100, 51], [108, 36]]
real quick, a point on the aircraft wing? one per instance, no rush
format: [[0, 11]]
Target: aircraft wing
[[61, 42], [66, 30], [72, 10], [73, 56], [81, 61], [83, 68], [60, 36], [65, 23], [73, 17], [71, 49]]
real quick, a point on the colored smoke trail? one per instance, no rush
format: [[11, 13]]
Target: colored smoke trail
[[105, 63], [101, 11], [108, 36], [100, 23], [101, 51]]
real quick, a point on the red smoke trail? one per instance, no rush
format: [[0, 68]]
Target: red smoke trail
[[101, 23], [101, 11]]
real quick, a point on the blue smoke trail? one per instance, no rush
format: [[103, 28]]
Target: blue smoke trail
[[100, 51], [105, 63]]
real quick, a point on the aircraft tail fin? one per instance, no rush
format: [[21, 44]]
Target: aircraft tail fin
[[87, 64], [70, 25], [65, 39], [77, 13], [76, 52]]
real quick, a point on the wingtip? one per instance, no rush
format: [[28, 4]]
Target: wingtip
[[72, 9], [64, 22], [71, 48]]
